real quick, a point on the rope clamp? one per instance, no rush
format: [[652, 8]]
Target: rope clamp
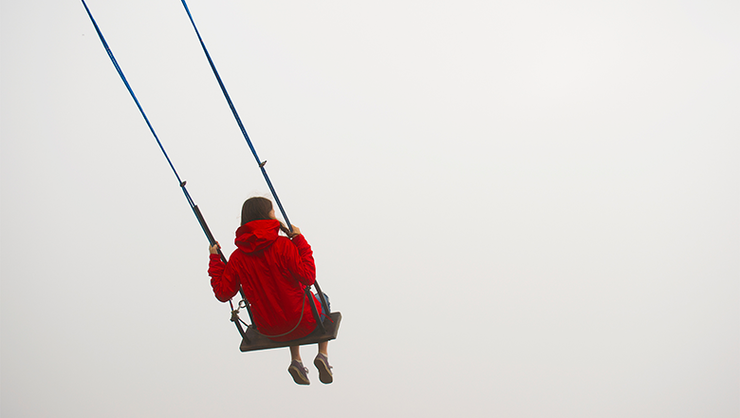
[[183, 183], [262, 164]]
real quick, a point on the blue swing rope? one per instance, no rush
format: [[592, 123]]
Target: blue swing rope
[[251, 147], [191, 203], [238, 119], [141, 110]]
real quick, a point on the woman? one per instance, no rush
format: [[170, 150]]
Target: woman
[[273, 270]]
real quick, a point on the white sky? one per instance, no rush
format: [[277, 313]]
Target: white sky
[[521, 208]]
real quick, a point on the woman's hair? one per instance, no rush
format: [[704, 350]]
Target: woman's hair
[[258, 208]]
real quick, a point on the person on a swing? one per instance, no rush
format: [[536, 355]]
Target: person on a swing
[[273, 270]]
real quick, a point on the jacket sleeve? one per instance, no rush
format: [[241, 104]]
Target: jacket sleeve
[[300, 261], [224, 281]]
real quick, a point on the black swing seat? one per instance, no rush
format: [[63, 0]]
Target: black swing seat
[[253, 340]]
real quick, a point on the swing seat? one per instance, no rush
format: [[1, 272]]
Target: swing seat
[[253, 340]]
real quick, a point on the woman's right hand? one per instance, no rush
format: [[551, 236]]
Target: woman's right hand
[[295, 233], [213, 249]]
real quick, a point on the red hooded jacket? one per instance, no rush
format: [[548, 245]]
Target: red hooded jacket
[[273, 270]]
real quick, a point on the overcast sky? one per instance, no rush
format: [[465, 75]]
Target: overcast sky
[[521, 208]]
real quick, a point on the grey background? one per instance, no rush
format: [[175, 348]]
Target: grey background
[[522, 208]]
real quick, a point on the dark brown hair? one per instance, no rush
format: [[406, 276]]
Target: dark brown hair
[[258, 208]]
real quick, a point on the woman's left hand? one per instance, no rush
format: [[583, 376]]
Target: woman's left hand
[[213, 249]]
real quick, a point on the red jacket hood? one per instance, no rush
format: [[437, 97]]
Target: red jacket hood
[[257, 235]]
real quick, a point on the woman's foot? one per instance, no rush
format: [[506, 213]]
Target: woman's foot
[[322, 363], [299, 373]]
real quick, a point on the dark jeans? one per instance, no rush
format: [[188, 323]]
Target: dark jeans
[[321, 306]]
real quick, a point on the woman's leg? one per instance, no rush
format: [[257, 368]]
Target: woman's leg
[[295, 353], [322, 363], [296, 369], [324, 345]]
